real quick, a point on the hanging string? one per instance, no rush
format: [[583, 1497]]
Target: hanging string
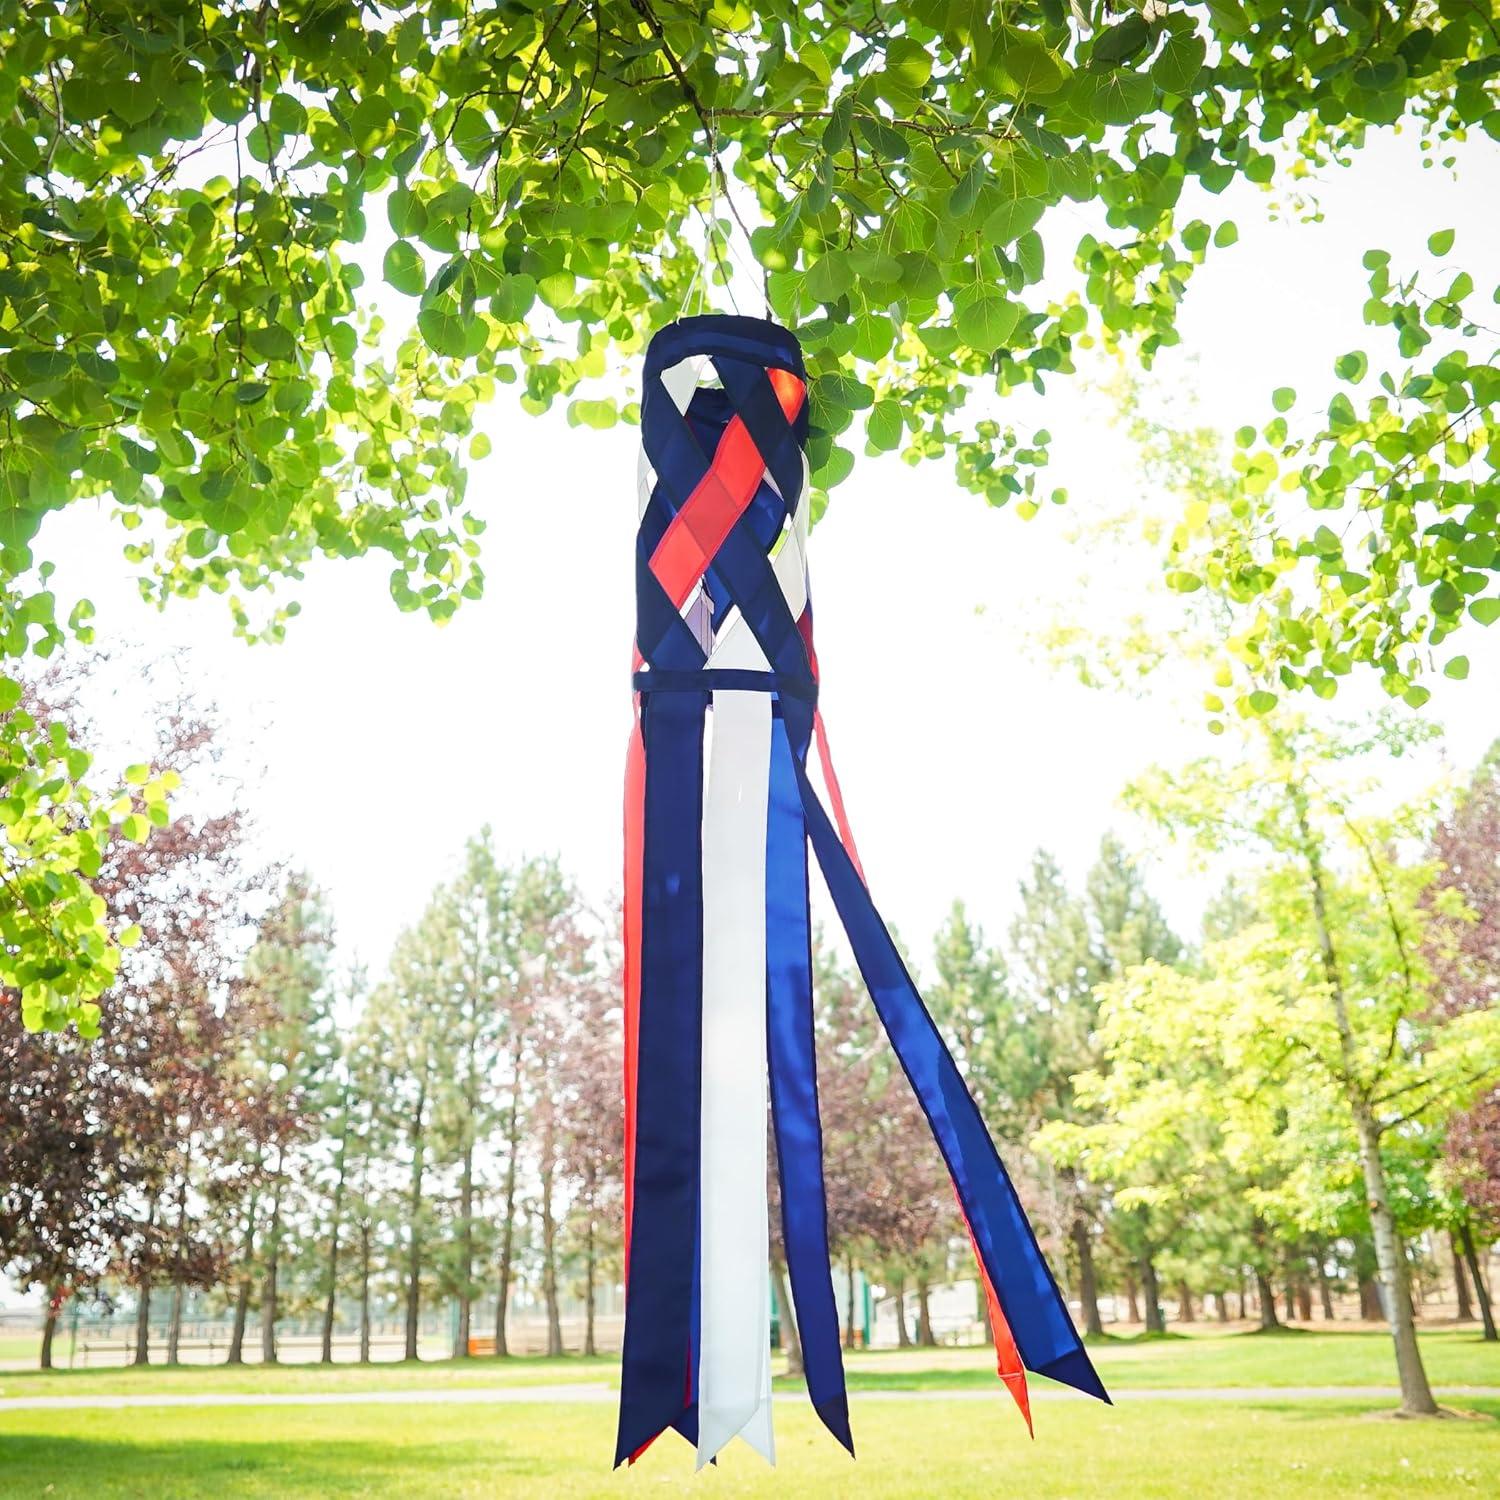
[[718, 238]]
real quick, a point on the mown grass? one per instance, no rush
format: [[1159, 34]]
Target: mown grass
[[1455, 1358], [1144, 1451]]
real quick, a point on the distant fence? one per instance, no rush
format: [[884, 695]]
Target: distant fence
[[86, 1340]]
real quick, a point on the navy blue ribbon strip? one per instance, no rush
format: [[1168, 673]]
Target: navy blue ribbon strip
[[794, 1091], [659, 1370], [1034, 1308], [726, 679]]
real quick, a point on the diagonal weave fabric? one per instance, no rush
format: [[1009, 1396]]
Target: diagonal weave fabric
[[720, 813]]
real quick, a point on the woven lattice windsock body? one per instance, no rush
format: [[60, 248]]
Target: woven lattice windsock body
[[721, 811]]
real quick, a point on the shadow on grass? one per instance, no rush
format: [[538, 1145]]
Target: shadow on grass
[[80, 1466]]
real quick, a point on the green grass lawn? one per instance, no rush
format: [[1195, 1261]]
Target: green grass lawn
[[1455, 1358], [907, 1448]]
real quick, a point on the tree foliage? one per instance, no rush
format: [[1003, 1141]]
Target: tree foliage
[[188, 332]]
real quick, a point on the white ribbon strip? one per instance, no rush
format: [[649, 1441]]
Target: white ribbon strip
[[734, 1360]]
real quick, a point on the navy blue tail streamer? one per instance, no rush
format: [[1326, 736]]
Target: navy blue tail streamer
[[658, 1368], [794, 1091], [1034, 1308]]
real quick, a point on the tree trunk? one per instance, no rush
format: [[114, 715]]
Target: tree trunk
[[465, 1251], [903, 1335], [236, 1354], [589, 1273], [1265, 1295], [925, 1336], [508, 1220], [1460, 1281], [1304, 1299], [269, 1291], [364, 1291], [1088, 1290], [330, 1305], [49, 1327], [791, 1338], [1151, 1291], [142, 1355], [1289, 1293], [549, 1243], [1390, 1256], [1221, 1306], [414, 1227], [242, 1292], [174, 1324], [1481, 1291], [1325, 1290], [1185, 1313], [1132, 1305]]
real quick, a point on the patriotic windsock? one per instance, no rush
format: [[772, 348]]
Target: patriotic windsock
[[721, 811]]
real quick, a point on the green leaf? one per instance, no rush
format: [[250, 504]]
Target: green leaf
[[1283, 398], [842, 391], [1032, 67], [840, 120], [1122, 98], [513, 298], [985, 317], [1441, 242], [909, 61], [963, 197], [1261, 702], [1226, 234], [248, 392], [140, 458], [883, 427], [405, 269], [1485, 611], [1178, 66], [1457, 669], [446, 332], [887, 143], [1013, 219], [1121, 42], [830, 276], [1351, 366]]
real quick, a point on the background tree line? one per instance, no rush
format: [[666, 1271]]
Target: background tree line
[[1300, 1100]]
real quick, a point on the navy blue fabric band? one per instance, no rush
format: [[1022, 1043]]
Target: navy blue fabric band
[[725, 680], [794, 1089], [659, 1368], [1023, 1281]]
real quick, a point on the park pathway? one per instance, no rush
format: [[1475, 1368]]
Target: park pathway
[[586, 1394]]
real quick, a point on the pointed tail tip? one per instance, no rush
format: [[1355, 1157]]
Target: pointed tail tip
[[834, 1415], [1076, 1369]]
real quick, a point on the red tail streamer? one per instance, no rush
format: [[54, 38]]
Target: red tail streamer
[[1007, 1357]]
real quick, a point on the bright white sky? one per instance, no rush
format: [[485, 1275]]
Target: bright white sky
[[375, 742]]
